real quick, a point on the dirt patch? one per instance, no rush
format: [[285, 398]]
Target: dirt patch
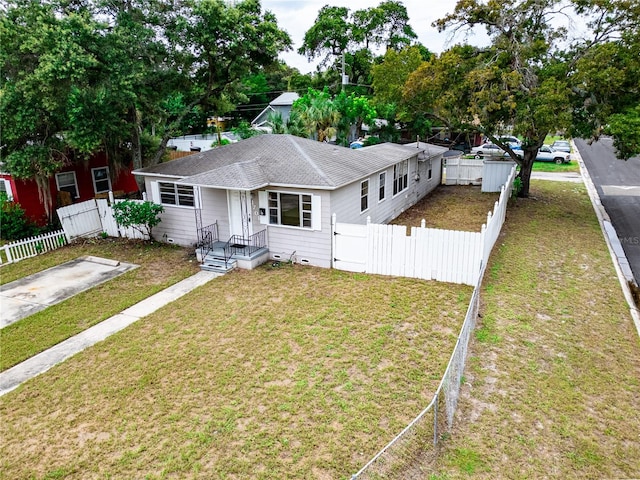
[[451, 207]]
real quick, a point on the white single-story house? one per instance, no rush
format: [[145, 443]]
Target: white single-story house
[[281, 104], [276, 194]]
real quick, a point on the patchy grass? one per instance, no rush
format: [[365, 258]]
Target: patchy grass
[[161, 265], [290, 372], [553, 377], [451, 207]]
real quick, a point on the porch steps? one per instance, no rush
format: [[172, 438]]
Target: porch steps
[[213, 263]]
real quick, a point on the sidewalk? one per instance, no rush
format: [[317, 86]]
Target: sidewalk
[[15, 376]]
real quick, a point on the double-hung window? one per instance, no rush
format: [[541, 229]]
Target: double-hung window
[[101, 180], [364, 195], [173, 194], [66, 182], [5, 188], [382, 186], [400, 176], [290, 209]]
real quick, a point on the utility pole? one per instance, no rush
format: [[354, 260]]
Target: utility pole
[[345, 78]]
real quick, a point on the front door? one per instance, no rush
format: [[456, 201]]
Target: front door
[[239, 213]]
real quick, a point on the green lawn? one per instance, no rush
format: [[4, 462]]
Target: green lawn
[[161, 265], [291, 372], [552, 385], [552, 167]]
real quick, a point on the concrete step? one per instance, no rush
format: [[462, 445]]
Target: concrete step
[[217, 264]]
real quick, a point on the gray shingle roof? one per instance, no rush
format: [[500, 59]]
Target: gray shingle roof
[[280, 160], [287, 98]]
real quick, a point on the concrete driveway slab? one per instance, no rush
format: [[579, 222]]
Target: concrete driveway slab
[[36, 292]]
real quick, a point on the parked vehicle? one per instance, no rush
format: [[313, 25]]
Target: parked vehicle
[[510, 140], [548, 154], [561, 145], [493, 150]]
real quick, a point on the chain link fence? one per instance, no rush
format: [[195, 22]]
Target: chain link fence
[[407, 455], [415, 448]]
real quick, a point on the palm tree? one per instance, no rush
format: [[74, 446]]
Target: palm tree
[[274, 120], [319, 113]]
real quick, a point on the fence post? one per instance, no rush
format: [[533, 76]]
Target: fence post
[[423, 223], [333, 240], [435, 419]]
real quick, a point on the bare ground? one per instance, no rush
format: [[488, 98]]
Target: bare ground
[[451, 207]]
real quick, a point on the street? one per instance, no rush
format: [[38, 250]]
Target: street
[[618, 185]]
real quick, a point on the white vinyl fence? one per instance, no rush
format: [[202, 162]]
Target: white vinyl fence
[[427, 253], [32, 246], [93, 217], [416, 446], [464, 171]]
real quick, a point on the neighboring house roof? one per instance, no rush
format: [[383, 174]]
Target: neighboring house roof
[[282, 105], [429, 150], [281, 160], [287, 98]]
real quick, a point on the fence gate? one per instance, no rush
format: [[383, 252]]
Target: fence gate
[[350, 247], [80, 219], [464, 171]]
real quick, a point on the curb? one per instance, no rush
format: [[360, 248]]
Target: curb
[[620, 261]]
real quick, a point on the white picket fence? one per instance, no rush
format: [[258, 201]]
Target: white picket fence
[[92, 218], [32, 246], [427, 253]]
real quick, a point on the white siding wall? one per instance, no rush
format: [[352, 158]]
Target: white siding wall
[[215, 209], [345, 201], [311, 247], [426, 184], [178, 224]]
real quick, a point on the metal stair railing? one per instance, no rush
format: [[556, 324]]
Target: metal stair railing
[[207, 237]]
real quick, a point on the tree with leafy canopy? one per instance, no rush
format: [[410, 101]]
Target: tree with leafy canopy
[[337, 31], [523, 80], [354, 111], [87, 76], [606, 92]]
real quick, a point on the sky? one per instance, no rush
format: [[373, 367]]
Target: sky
[[298, 16]]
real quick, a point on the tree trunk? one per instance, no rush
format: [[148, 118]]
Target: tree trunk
[[526, 165], [137, 148]]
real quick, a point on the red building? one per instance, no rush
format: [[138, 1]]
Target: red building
[[77, 183]]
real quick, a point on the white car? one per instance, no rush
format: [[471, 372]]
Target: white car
[[493, 150], [548, 154]]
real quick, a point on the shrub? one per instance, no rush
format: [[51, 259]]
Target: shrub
[[141, 216], [14, 224]]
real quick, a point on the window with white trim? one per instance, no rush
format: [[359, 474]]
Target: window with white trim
[[174, 194], [364, 195], [382, 185], [5, 187], [66, 182], [290, 209], [101, 180], [400, 176]]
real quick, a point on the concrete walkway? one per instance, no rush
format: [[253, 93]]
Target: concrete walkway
[[12, 378]]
